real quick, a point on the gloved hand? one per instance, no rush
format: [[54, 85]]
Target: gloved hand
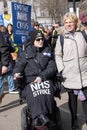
[[18, 80], [59, 77]]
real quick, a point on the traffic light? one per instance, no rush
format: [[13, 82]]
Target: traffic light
[[73, 0]]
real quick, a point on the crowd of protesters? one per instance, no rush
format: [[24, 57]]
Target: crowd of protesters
[[70, 59], [50, 32]]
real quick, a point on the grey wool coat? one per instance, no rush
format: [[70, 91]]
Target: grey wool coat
[[72, 60]]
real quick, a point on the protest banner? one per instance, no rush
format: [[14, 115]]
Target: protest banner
[[21, 19]]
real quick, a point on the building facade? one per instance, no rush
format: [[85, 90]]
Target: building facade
[[40, 12]]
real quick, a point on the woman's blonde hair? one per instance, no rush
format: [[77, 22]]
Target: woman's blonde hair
[[72, 16]]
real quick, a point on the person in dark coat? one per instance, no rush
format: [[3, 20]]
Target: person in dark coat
[[37, 68], [8, 75], [4, 59], [4, 55]]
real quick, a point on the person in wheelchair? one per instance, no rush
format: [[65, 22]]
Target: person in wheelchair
[[37, 69]]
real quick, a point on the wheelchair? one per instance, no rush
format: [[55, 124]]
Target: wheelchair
[[42, 121]]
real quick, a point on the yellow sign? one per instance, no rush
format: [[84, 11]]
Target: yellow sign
[[7, 17]]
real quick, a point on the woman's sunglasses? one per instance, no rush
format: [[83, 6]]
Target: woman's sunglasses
[[38, 39]]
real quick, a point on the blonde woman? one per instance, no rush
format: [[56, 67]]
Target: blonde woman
[[71, 60]]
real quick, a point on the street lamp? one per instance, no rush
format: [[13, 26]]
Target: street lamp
[[74, 4], [72, 0]]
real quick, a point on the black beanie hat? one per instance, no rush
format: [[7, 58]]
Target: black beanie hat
[[35, 34]]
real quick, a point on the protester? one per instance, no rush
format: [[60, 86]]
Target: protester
[[37, 68], [10, 32], [55, 33], [36, 25], [4, 60], [85, 26], [8, 75], [71, 60]]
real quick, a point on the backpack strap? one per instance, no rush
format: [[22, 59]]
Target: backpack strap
[[84, 35], [62, 38], [62, 41]]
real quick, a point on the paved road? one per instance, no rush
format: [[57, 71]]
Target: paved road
[[10, 108]]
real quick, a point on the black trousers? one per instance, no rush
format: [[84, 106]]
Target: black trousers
[[72, 102]]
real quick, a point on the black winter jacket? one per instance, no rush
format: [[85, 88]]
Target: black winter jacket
[[4, 52], [35, 62]]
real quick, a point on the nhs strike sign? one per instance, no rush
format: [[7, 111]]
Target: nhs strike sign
[[21, 18]]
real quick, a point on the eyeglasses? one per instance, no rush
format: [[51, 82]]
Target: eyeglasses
[[38, 39]]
